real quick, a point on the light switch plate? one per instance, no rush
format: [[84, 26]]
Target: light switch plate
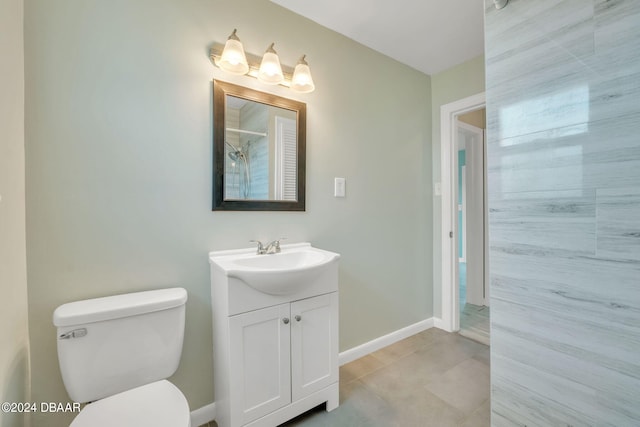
[[339, 189]]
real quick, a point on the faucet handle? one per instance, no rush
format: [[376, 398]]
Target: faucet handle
[[273, 247], [276, 243], [260, 249]]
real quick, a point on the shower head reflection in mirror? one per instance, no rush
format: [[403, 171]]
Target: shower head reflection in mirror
[[241, 178]]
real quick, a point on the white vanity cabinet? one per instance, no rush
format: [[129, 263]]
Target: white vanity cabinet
[[275, 356], [282, 354]]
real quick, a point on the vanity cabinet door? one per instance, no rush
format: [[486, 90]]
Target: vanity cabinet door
[[260, 376], [314, 344]]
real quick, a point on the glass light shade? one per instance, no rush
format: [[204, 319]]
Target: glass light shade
[[270, 70], [302, 80], [233, 59]]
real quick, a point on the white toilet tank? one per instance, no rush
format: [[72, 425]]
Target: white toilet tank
[[112, 344]]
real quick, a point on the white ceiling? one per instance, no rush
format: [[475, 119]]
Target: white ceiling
[[428, 35]]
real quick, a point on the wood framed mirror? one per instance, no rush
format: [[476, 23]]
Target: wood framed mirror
[[259, 149]]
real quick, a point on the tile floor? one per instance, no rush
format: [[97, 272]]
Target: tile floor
[[433, 378]]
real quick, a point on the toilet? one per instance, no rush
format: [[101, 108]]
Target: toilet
[[117, 352]]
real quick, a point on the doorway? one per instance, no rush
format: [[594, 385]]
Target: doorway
[[473, 289], [464, 221]]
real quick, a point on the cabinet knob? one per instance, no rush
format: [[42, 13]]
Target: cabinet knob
[[298, 317], [285, 320]]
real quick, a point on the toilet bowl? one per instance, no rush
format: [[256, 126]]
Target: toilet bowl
[[117, 352], [159, 404]]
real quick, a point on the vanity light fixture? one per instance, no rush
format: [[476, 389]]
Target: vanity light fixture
[[270, 71], [233, 59], [301, 80]]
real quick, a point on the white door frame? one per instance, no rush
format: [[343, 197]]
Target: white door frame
[[449, 182]]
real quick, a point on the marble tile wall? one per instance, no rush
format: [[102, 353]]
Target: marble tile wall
[[563, 114]]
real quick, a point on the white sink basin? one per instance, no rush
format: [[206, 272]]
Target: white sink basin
[[276, 274]]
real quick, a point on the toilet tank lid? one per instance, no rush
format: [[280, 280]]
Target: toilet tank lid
[[117, 306]]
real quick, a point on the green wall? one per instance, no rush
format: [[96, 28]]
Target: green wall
[[118, 168]]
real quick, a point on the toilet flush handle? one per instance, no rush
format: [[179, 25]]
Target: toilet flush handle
[[76, 333]]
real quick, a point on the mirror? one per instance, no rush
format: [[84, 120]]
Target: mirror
[[258, 150]]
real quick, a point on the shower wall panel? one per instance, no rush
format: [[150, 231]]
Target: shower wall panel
[[563, 83]]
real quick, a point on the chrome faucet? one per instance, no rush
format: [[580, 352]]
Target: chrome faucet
[[270, 248]]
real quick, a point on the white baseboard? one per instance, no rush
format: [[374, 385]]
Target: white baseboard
[[203, 415], [383, 341], [439, 323]]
